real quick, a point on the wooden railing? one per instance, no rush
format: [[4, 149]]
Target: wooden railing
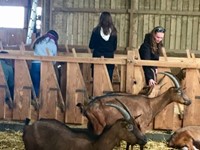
[[59, 96]]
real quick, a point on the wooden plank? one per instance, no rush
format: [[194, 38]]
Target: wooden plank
[[178, 32], [70, 28], [173, 33], [140, 32], [133, 25], [130, 72], [123, 78], [195, 33], [112, 4], [80, 28], [76, 92], [139, 79], [192, 90], [180, 5], [75, 28], [23, 88], [168, 28], [86, 29], [146, 17], [97, 4], [189, 33], [101, 80], [198, 46], [50, 96], [183, 33]]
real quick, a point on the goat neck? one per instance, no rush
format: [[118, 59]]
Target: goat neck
[[159, 103], [110, 138]]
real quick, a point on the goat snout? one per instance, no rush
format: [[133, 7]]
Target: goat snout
[[143, 141], [187, 102]]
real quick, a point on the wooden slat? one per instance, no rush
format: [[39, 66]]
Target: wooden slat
[[76, 92], [101, 80], [23, 88], [50, 97]]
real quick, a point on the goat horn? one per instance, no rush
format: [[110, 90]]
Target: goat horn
[[172, 77], [122, 110], [123, 105]]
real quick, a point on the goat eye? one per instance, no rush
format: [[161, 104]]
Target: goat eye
[[179, 92], [129, 127]]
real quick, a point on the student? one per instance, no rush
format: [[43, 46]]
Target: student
[[40, 46], [103, 40], [8, 70], [151, 49]]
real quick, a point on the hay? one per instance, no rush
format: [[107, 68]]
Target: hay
[[11, 140], [151, 145]]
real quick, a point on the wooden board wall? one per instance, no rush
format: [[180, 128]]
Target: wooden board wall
[[74, 21]]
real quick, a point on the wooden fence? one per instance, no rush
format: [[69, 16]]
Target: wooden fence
[[58, 98]]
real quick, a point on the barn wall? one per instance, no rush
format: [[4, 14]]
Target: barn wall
[[74, 20], [179, 17]]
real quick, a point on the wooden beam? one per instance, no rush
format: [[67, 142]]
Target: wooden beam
[[171, 13], [90, 10]]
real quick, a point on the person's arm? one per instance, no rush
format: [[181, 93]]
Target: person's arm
[[115, 43], [92, 40], [145, 54]]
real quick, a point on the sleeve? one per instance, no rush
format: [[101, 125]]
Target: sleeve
[[115, 43], [145, 54], [92, 40]]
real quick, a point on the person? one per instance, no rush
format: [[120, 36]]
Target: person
[[7, 66], [103, 40], [151, 49], [47, 41]]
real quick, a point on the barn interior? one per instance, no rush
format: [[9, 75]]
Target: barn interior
[[23, 21]]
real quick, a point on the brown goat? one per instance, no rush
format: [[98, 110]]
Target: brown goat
[[188, 136], [99, 117], [50, 134]]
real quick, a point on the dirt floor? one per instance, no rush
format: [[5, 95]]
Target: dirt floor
[[12, 140]]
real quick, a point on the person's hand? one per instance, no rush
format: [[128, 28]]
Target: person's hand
[[152, 82]]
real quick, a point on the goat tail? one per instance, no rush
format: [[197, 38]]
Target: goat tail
[[27, 121]]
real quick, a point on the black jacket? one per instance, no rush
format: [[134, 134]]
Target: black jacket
[[100, 46], [146, 54]]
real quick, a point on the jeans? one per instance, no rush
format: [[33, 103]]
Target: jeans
[[35, 76]]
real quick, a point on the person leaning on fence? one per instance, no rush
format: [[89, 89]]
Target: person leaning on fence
[[103, 40], [151, 49], [47, 41], [9, 77]]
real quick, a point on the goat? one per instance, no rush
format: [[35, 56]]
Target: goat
[[50, 134], [100, 117], [188, 136]]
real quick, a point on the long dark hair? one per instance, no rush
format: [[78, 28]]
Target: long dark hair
[[156, 47], [51, 34], [105, 21]]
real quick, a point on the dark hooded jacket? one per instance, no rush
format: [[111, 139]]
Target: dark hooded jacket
[[100, 46], [147, 54]]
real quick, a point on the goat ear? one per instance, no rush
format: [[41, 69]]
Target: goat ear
[[137, 116], [81, 107]]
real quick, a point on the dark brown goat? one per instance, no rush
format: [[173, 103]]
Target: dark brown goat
[[49, 134], [188, 136]]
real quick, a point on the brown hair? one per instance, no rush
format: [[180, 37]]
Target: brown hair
[[105, 21], [156, 47]]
